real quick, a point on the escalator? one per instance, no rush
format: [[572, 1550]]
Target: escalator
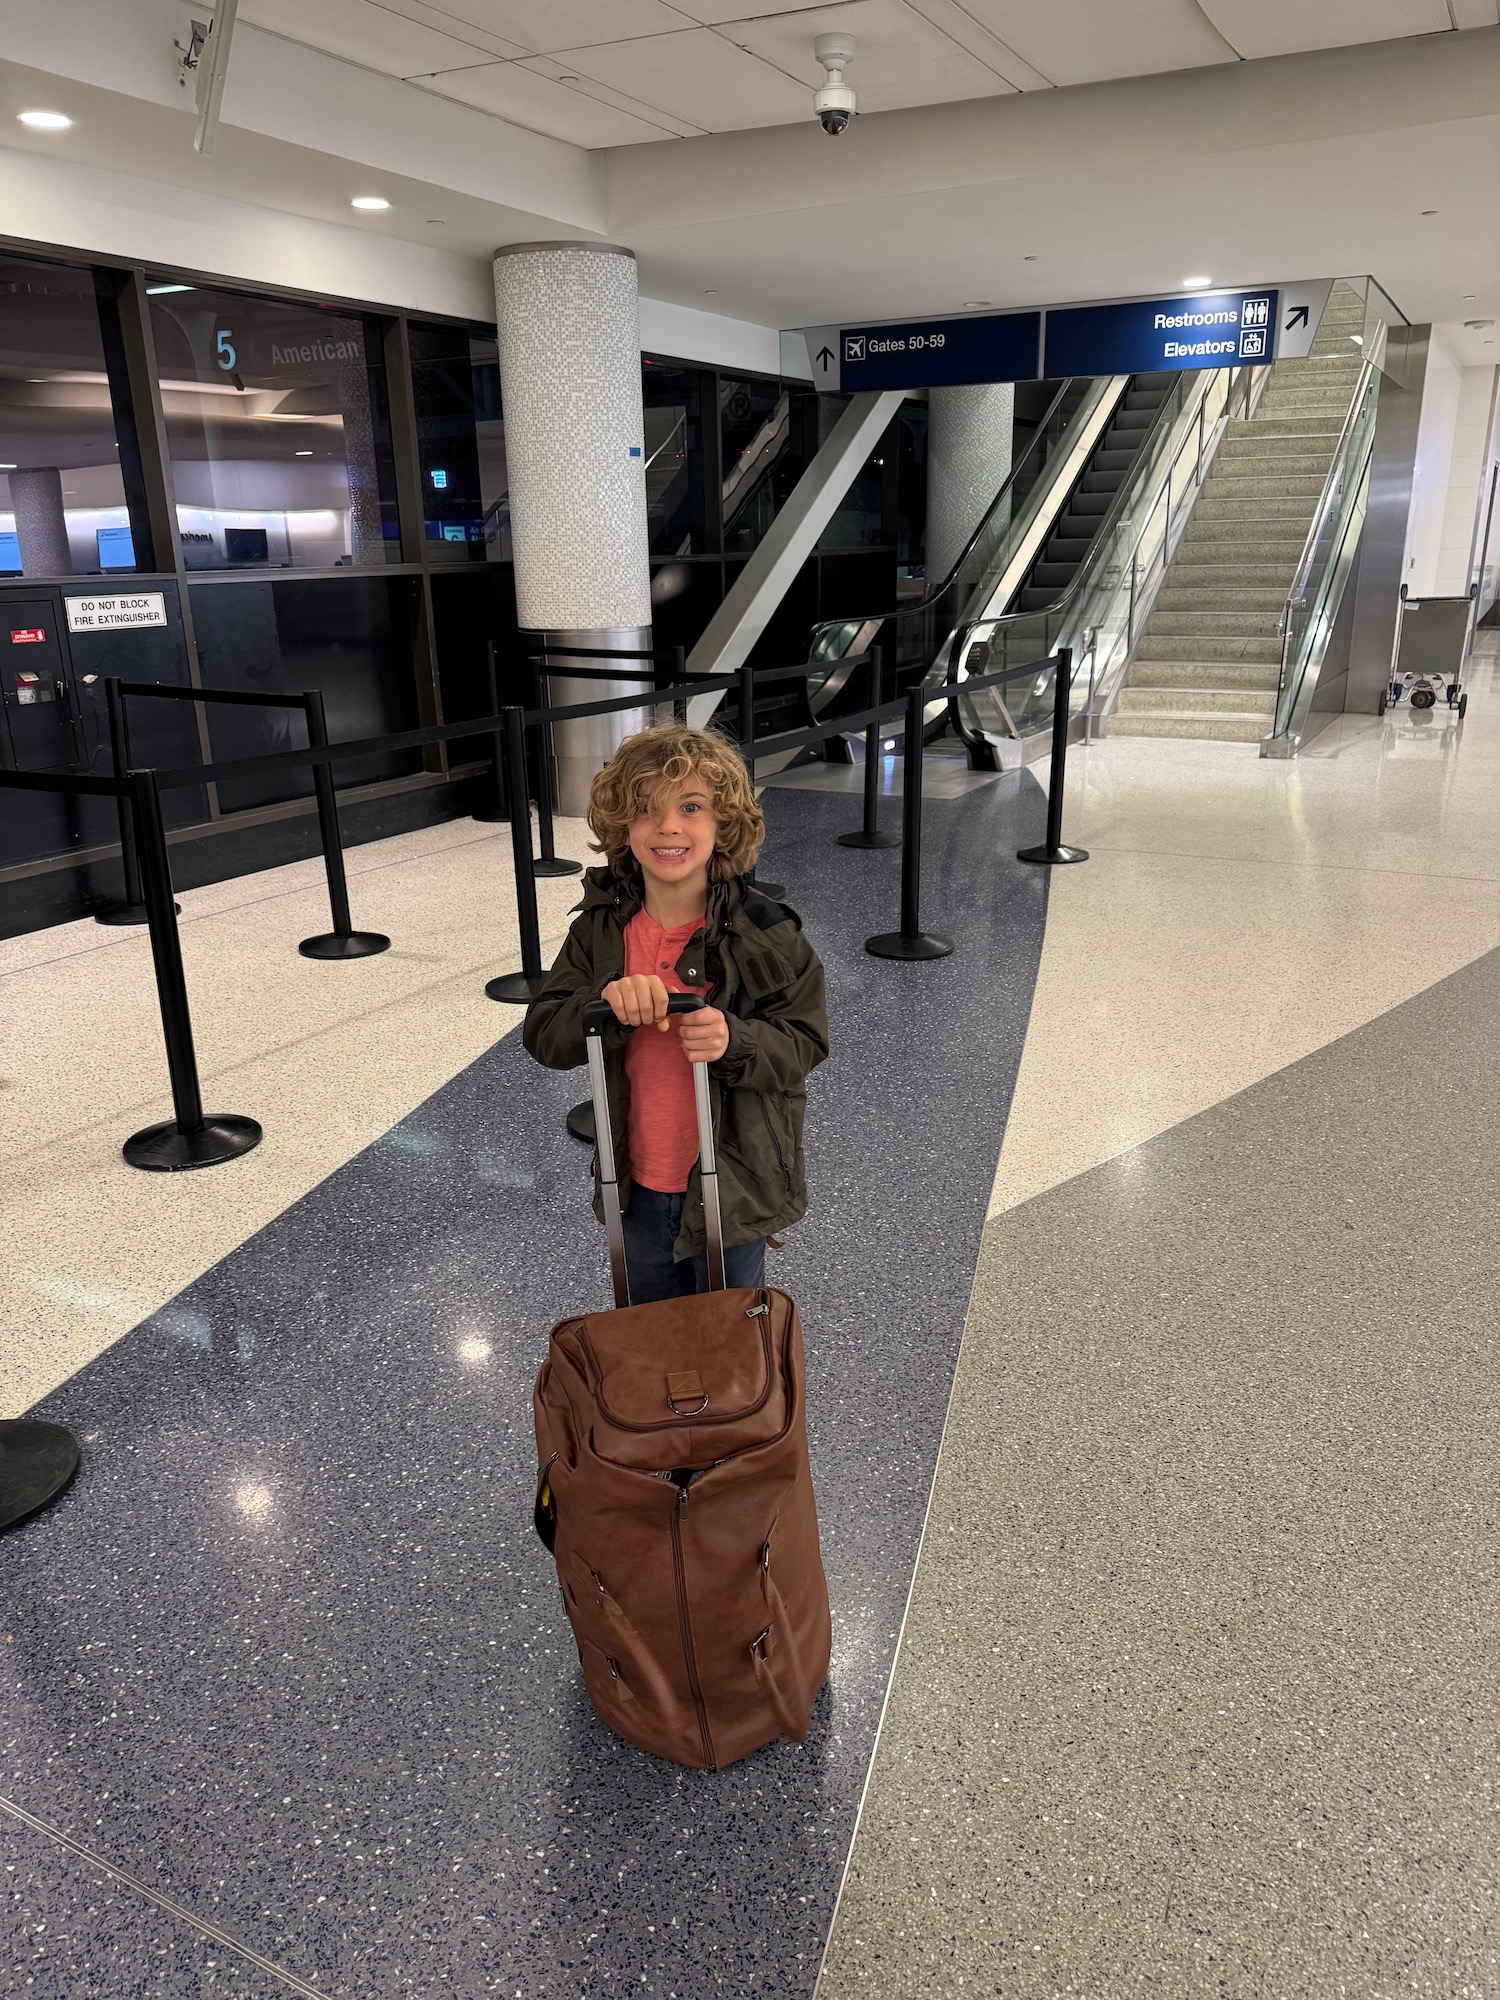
[[1037, 532]]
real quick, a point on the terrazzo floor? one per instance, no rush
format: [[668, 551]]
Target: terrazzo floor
[[289, 1654], [1198, 1698]]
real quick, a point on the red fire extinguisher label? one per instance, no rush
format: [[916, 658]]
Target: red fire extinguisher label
[[28, 635]]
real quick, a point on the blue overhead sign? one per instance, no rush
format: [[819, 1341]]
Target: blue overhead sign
[[932, 353], [1203, 330]]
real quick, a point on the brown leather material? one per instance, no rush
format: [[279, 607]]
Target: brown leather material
[[630, 1358], [698, 1601]]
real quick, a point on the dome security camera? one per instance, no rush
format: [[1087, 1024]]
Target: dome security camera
[[834, 103]]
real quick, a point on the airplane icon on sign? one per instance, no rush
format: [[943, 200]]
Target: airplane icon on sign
[[854, 347]]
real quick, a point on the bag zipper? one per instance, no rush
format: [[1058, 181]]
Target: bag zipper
[[686, 1624]]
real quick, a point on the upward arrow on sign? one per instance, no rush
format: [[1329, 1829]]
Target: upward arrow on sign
[[1296, 317], [825, 357]]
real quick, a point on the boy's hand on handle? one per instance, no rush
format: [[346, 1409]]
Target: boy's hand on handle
[[705, 1035], [639, 1000]]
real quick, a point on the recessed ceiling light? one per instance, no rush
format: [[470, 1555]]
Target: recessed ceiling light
[[369, 201], [1429, 211], [1196, 284], [301, 454], [9, 466], [710, 292], [155, 291], [1470, 297], [975, 302], [46, 121], [567, 79], [1029, 259]]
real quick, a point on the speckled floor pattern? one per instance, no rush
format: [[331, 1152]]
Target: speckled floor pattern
[[1198, 1695], [289, 1652]]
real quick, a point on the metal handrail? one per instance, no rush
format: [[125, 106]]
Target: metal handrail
[[1298, 588]]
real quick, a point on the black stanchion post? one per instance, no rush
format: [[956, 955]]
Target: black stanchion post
[[1052, 848], [548, 862], [132, 910], [36, 1462], [520, 988], [747, 752], [343, 941], [188, 1138], [911, 941], [680, 705], [869, 835], [498, 808]]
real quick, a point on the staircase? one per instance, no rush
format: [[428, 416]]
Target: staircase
[[1208, 662]]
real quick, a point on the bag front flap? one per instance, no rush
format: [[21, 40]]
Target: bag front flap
[[703, 1359]]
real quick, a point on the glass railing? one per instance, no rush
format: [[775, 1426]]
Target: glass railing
[[1101, 612], [1312, 604], [914, 637]]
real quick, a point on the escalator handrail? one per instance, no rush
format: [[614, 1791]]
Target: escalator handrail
[[1002, 492], [1335, 469]]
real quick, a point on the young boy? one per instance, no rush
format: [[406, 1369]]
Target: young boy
[[674, 815]]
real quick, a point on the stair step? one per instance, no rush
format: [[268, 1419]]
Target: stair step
[[1229, 623], [1256, 674], [1279, 456], [1177, 595], [1195, 701], [1201, 648], [1199, 728], [1231, 482]]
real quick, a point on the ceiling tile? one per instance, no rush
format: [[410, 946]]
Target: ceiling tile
[[700, 77], [516, 93], [662, 123], [1475, 13], [1285, 27], [541, 25], [1091, 41], [900, 57], [364, 33]]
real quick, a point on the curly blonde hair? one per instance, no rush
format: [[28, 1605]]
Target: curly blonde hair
[[644, 773]]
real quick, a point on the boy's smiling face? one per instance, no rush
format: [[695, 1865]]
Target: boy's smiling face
[[674, 851]]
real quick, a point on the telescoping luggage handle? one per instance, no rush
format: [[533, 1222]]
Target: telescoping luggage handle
[[597, 1015]]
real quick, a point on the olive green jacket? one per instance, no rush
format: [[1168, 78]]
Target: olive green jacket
[[767, 979]]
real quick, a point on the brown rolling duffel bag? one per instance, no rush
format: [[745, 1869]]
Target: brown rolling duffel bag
[[675, 1495]]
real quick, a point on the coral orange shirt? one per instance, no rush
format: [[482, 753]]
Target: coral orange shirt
[[663, 1122]]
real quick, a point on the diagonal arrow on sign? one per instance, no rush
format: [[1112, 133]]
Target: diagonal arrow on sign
[[1296, 317]]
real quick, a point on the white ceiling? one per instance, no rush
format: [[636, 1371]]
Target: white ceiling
[[975, 174], [602, 73]]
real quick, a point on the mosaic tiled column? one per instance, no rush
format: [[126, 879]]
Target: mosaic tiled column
[[570, 377], [41, 524], [968, 455]]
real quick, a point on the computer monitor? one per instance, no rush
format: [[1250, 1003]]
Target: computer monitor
[[10, 553], [246, 545], [116, 550]]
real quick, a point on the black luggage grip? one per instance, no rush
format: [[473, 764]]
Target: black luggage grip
[[598, 1014]]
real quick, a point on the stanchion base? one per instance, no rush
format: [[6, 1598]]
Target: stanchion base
[[491, 816], [167, 1149], [581, 1123], [862, 839], [1047, 854], [358, 944], [926, 944], [556, 866], [127, 913], [517, 989], [36, 1462]]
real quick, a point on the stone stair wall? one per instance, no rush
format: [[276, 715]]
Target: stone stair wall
[[1208, 661]]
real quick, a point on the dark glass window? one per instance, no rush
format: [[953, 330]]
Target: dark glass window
[[754, 432], [461, 444], [278, 428], [64, 428], [676, 509], [911, 498]]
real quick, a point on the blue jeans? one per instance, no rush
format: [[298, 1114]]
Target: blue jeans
[[651, 1225]]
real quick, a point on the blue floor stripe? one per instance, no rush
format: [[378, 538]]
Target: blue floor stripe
[[289, 1652]]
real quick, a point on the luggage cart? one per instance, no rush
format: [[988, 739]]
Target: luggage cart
[[1433, 635]]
